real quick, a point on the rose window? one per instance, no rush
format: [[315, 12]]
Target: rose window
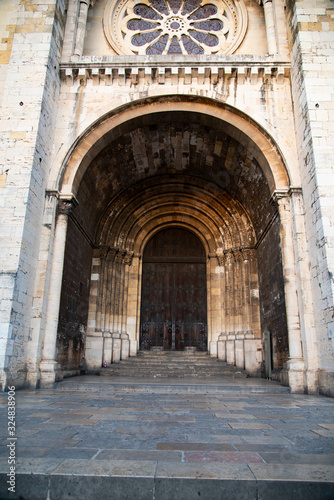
[[169, 27]]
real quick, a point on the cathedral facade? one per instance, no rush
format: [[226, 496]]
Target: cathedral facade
[[166, 182]]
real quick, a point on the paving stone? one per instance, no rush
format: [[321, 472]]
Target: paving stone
[[36, 465], [261, 447], [71, 421], [196, 446], [71, 453], [165, 419], [168, 443], [227, 457], [285, 457], [31, 452], [262, 439], [301, 472], [116, 417], [233, 415], [204, 471], [214, 438], [121, 468], [143, 455], [245, 425]]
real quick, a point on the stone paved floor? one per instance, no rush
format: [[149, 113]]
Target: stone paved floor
[[220, 435]]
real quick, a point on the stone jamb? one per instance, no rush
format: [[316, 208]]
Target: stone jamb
[[48, 364], [295, 363]]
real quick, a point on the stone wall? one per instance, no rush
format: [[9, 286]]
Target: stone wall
[[311, 38], [73, 311], [28, 113], [52, 126], [272, 299]]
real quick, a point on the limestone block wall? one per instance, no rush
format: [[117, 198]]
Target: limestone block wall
[[311, 38], [94, 86], [48, 103], [73, 310], [30, 51]]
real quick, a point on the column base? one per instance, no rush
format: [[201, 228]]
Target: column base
[[213, 349], [296, 376], [133, 347], [33, 379], [116, 348], [312, 381], [3, 380], [49, 374]]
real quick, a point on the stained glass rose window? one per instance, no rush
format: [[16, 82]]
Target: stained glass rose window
[[159, 27]]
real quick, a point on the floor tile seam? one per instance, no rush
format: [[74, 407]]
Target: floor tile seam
[[96, 454], [254, 477]]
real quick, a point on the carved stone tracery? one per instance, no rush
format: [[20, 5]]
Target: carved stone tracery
[[159, 27]]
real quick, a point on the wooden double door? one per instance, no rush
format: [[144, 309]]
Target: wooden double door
[[174, 305]]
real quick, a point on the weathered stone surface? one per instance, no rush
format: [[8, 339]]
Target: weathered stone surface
[[234, 145]]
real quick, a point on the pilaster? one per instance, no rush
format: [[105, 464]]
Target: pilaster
[[48, 365]]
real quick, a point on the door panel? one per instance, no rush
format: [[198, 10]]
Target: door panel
[[173, 313]]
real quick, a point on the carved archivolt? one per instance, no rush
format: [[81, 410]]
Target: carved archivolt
[[159, 27]]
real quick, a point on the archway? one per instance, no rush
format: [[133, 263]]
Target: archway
[[180, 168], [174, 303]]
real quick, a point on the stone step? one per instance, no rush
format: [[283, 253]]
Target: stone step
[[183, 373], [163, 482], [172, 364], [192, 385]]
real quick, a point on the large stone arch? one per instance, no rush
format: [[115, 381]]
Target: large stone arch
[[110, 126], [225, 231], [174, 161]]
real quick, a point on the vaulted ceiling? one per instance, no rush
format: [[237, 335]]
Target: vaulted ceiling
[[184, 148]]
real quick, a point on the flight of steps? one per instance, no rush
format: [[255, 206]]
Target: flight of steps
[[172, 364]]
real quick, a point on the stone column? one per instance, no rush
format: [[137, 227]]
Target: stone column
[[116, 347], [214, 304], [94, 345], [304, 290], [107, 304], [81, 28], [295, 362], [42, 284], [133, 305], [107, 349], [48, 364], [221, 344], [270, 25], [127, 263]]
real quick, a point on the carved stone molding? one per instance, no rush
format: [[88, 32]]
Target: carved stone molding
[[234, 255], [115, 254]]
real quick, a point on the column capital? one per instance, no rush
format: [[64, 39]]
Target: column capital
[[128, 258], [66, 203], [248, 253], [103, 252], [280, 194]]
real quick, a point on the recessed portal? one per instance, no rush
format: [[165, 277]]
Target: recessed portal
[[174, 305]]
